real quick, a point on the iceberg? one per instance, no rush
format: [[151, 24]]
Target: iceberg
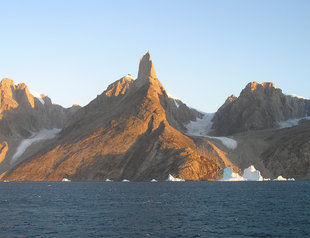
[[153, 181], [229, 175], [249, 174], [108, 180], [173, 179], [280, 178], [65, 180], [125, 180]]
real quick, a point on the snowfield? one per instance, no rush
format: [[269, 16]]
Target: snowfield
[[291, 122], [42, 135], [37, 95], [249, 174], [201, 127]]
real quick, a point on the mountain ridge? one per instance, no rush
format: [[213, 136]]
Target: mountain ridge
[[134, 130]]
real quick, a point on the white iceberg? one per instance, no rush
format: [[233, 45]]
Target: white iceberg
[[280, 178], [66, 180], [229, 175], [125, 180], [108, 180], [173, 179], [153, 181], [249, 174]]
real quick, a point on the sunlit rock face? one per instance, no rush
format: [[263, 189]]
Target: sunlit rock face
[[259, 106], [132, 131], [22, 115]]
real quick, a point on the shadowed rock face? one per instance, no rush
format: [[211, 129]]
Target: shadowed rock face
[[133, 130], [22, 115], [259, 106]]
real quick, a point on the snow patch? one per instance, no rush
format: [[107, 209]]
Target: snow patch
[[130, 76], [37, 95], [42, 135], [173, 179], [203, 125], [291, 122], [249, 174], [296, 96], [172, 97]]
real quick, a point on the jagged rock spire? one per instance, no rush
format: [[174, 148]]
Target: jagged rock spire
[[146, 68]]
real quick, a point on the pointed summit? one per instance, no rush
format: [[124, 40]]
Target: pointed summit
[[146, 68]]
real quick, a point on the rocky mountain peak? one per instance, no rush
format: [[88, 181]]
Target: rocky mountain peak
[[259, 106], [146, 68]]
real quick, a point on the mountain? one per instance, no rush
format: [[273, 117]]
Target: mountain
[[134, 131], [22, 116], [259, 106], [271, 129]]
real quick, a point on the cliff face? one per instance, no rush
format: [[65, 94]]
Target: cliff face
[[22, 115], [259, 106], [133, 130]]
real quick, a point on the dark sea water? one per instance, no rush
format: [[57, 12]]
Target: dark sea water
[[164, 209]]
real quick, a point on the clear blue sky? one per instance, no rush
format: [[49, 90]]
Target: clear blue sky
[[203, 51]]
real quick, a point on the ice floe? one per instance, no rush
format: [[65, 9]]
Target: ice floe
[[173, 179], [249, 174], [65, 180], [125, 180], [37, 95], [280, 178], [202, 126], [229, 175], [108, 180], [41, 135], [153, 181]]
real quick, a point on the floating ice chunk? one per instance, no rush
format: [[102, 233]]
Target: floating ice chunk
[[229, 175], [108, 180], [153, 181], [173, 179], [65, 180], [280, 178], [125, 180], [251, 174], [42, 135], [37, 95]]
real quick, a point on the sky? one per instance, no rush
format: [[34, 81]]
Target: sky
[[202, 51]]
